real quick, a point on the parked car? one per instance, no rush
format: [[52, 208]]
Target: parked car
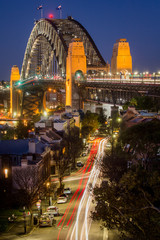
[[84, 154], [62, 200], [48, 214], [54, 210], [67, 191], [80, 164], [45, 221]]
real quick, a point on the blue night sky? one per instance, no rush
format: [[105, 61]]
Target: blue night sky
[[105, 20]]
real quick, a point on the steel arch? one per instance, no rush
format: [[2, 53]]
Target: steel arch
[[51, 38]]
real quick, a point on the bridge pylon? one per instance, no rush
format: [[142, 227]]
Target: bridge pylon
[[15, 97], [121, 62], [75, 63]]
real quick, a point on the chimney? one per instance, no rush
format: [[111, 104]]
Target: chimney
[[24, 163], [32, 146]]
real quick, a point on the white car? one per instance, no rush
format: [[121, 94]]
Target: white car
[[62, 200], [48, 214], [53, 209], [67, 191]]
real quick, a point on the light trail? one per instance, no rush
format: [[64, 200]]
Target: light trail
[[87, 197], [88, 166], [70, 179], [100, 158]]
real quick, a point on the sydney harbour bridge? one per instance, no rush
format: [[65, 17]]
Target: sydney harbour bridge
[[60, 53]]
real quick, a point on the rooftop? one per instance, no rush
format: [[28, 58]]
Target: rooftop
[[20, 146]]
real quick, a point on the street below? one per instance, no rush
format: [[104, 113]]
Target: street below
[[74, 221]]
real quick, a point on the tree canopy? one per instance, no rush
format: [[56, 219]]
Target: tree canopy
[[73, 144], [30, 183], [90, 123], [131, 206], [143, 102], [144, 138], [129, 196], [21, 130]]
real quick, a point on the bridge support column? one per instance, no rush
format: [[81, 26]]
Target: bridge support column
[[76, 62], [15, 95]]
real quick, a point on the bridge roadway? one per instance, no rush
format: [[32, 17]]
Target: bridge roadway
[[89, 80], [146, 86], [149, 87], [102, 90]]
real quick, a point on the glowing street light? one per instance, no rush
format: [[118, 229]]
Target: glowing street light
[[45, 114], [119, 119], [6, 173]]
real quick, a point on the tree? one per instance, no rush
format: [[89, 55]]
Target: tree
[[131, 205], [114, 166], [21, 130], [90, 123], [142, 102], [65, 155], [144, 139], [9, 135], [63, 164], [102, 117], [145, 102], [73, 145], [29, 182], [133, 102]]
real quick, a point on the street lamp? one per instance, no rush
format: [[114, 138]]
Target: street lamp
[[45, 114], [48, 187], [6, 173], [24, 216], [119, 119]]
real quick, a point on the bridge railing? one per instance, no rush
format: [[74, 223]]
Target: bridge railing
[[149, 81], [38, 79]]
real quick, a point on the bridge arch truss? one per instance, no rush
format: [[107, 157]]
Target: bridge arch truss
[[47, 47]]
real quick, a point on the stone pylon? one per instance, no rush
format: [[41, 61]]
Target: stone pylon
[[121, 61], [75, 63], [14, 95]]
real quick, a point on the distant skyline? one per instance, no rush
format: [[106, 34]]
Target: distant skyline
[[105, 20]]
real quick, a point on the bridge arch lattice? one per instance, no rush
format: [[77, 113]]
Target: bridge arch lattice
[[47, 47]]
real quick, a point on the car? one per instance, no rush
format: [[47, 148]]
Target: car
[[80, 164], [64, 195], [67, 191], [48, 214], [54, 210], [45, 221], [62, 200], [84, 154]]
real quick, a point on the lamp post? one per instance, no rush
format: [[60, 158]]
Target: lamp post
[[48, 187], [24, 216]]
